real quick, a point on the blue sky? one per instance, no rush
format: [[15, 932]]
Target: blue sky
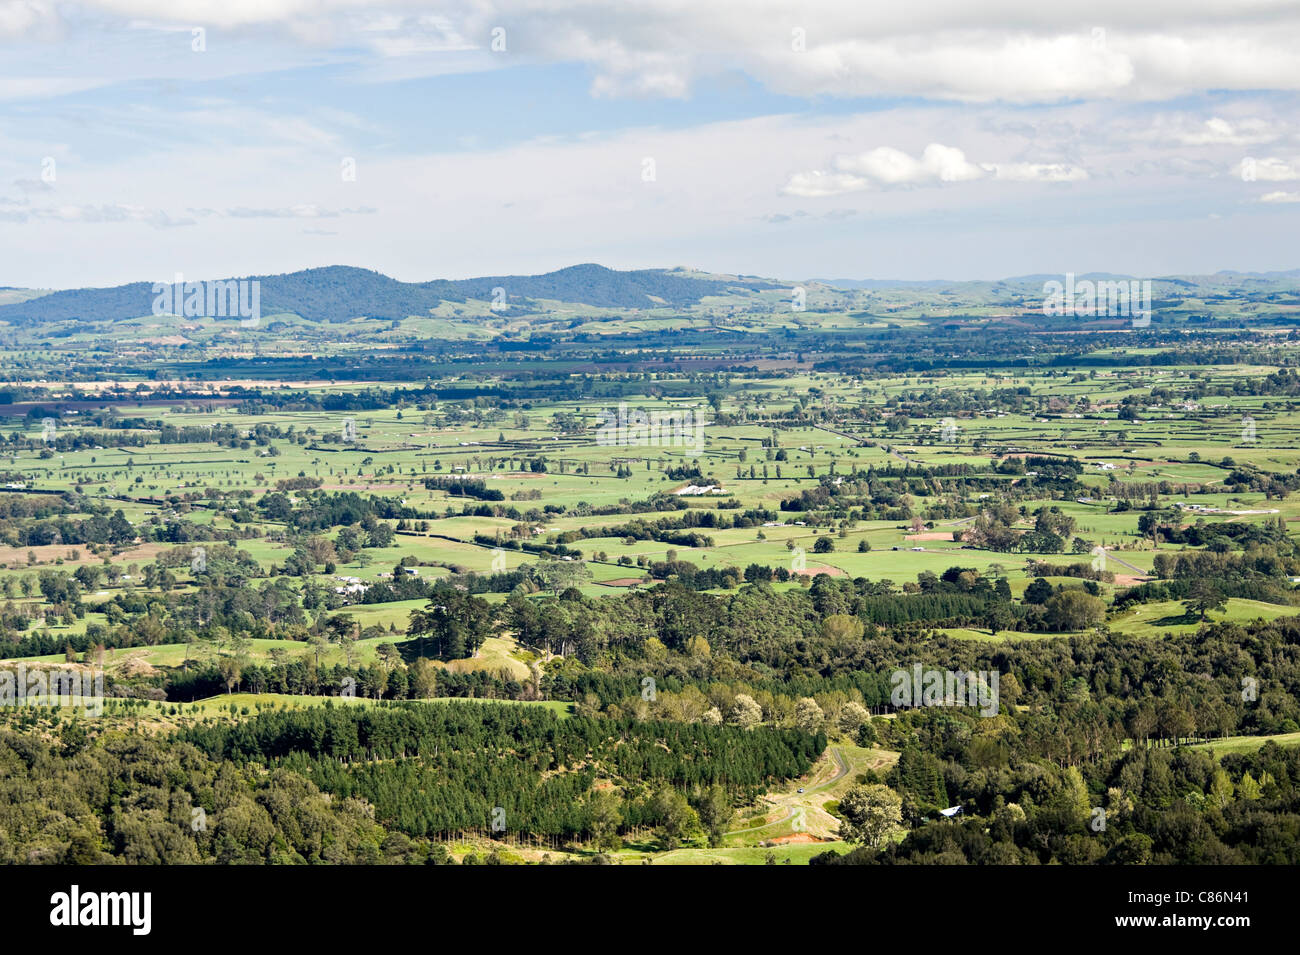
[[933, 140]]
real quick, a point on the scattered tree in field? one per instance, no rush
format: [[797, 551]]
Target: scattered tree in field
[[1074, 610], [1205, 596], [457, 622], [560, 575]]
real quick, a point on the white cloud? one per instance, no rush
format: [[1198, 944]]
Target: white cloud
[[1280, 197], [716, 201], [886, 167], [946, 49], [301, 211], [96, 214], [1038, 172], [23, 17], [1217, 131], [817, 184], [892, 167], [1270, 169]]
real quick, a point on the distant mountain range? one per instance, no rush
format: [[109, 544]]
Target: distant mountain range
[[341, 293], [1287, 279]]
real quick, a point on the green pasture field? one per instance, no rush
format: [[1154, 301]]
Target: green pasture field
[[1170, 617], [395, 449], [1248, 744]]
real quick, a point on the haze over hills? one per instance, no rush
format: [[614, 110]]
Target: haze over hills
[[340, 293], [1287, 279], [337, 294]]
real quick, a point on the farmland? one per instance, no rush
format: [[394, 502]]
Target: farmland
[[670, 530]]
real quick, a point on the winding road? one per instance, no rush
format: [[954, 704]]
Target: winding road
[[791, 801]]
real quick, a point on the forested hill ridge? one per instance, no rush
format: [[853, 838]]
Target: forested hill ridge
[[593, 300], [341, 293]]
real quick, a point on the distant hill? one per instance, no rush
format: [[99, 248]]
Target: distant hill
[[341, 293], [1021, 284]]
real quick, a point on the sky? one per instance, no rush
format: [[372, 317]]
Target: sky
[[933, 139]]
